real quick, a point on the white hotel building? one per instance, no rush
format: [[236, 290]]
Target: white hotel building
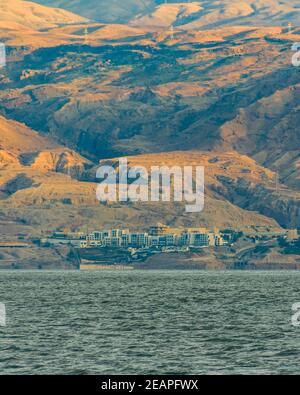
[[124, 238]]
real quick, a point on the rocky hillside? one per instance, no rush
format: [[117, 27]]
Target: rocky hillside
[[206, 14], [232, 89], [26, 14], [104, 10], [75, 92], [54, 187]]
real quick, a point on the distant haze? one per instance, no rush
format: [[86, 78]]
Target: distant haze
[[108, 11], [211, 14]]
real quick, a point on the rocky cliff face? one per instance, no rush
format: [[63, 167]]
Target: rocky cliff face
[[230, 89]]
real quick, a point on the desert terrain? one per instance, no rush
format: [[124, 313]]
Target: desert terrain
[[199, 83]]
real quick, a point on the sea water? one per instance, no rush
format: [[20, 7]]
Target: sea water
[[149, 322]]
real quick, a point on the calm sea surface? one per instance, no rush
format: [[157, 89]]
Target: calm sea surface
[[135, 322]]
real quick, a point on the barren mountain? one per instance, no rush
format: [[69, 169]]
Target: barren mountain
[[46, 184], [17, 139], [26, 14], [196, 14], [21, 146], [227, 98], [232, 88], [114, 11], [166, 15], [27, 24]]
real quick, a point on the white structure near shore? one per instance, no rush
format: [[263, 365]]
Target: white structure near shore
[[157, 236]]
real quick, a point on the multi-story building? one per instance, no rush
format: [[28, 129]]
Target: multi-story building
[[116, 232], [139, 239], [199, 240], [154, 241], [171, 239], [98, 236], [163, 240], [196, 239], [125, 238], [116, 241], [158, 236], [184, 239], [158, 230], [107, 242]]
